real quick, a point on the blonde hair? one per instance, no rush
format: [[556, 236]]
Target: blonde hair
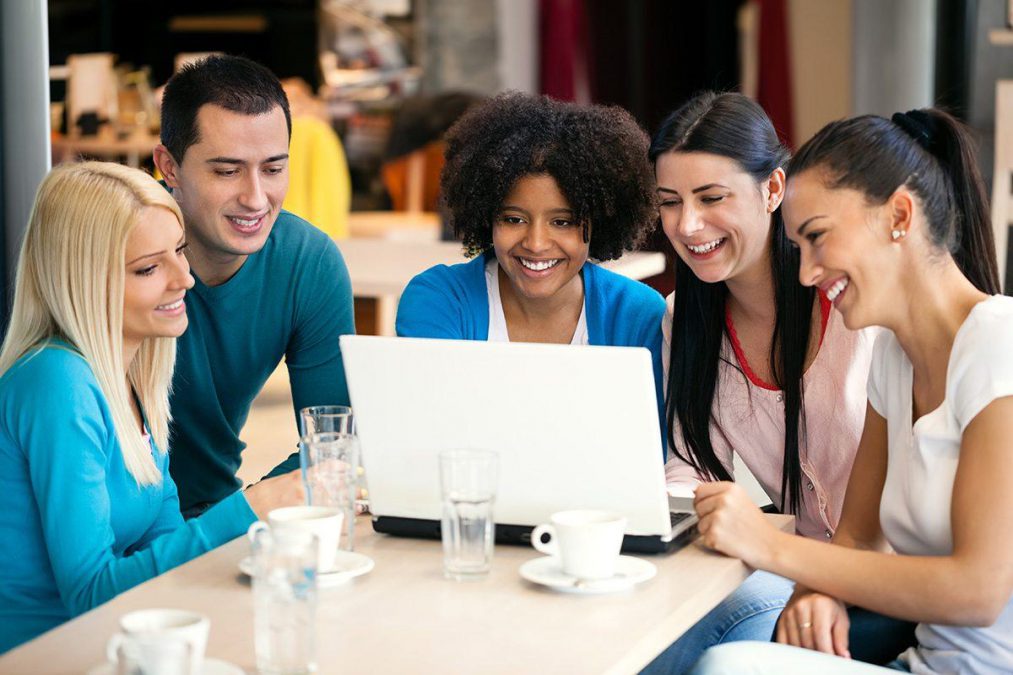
[[69, 285]]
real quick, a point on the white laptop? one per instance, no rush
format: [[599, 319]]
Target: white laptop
[[574, 427]]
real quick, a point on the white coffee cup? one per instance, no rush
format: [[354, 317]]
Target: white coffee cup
[[150, 628], [587, 542], [322, 521]]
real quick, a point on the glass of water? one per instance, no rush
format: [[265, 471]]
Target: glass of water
[[468, 484], [285, 601], [329, 461]]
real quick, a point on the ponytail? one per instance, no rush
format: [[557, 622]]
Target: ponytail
[[932, 154]]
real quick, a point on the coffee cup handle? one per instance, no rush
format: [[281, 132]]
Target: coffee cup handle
[[113, 648], [255, 528], [550, 547]]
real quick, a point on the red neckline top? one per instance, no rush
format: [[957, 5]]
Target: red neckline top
[[740, 355]]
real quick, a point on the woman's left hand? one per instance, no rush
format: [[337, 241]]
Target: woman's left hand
[[731, 523]]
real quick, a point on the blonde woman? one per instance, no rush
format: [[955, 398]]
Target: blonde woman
[[87, 507]]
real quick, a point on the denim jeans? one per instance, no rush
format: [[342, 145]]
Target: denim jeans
[[749, 613]]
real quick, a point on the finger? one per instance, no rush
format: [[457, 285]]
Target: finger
[[705, 490], [805, 633], [839, 635], [820, 631], [780, 634], [791, 630]]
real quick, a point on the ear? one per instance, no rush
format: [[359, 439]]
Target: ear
[[166, 165], [775, 189], [900, 208]]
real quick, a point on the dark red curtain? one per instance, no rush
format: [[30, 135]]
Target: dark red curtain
[[774, 92], [562, 36]]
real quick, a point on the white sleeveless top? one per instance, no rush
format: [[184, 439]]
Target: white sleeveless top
[[922, 464]]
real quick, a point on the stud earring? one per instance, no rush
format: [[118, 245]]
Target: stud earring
[[897, 234]]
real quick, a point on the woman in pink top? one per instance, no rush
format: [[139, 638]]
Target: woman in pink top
[[755, 362]]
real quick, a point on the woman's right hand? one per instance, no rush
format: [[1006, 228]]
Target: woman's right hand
[[814, 621], [272, 493]]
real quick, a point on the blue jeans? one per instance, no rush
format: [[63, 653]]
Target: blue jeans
[[749, 613]]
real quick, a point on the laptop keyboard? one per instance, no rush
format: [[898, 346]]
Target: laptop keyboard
[[678, 516]]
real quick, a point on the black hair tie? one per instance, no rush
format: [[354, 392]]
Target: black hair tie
[[919, 125]]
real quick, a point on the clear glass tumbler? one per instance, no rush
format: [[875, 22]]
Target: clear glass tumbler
[[468, 481], [329, 462], [285, 601]]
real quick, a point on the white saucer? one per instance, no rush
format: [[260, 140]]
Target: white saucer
[[548, 571], [347, 565], [211, 667]]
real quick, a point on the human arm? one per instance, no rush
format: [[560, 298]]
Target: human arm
[[324, 311], [76, 475], [826, 618], [970, 586], [432, 306]]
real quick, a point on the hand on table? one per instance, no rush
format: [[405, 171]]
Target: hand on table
[[272, 493], [732, 524], [814, 621]]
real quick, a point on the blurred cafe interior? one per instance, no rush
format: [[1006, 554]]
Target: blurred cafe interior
[[374, 85]]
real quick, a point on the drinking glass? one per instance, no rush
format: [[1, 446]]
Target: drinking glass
[[320, 418], [329, 461], [284, 601], [338, 418], [468, 484]]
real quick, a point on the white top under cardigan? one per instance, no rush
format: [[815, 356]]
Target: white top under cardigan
[[497, 319], [922, 465]]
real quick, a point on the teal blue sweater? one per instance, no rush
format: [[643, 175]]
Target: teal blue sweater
[[292, 300], [453, 303], [75, 528]]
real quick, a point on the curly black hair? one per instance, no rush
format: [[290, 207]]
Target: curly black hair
[[597, 154]]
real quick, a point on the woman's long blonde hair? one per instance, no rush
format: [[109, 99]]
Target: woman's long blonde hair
[[70, 280]]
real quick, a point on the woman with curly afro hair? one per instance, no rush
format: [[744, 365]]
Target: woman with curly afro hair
[[537, 189]]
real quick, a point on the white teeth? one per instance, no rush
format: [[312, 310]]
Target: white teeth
[[538, 265], [244, 222], [172, 306], [836, 289], [710, 246]]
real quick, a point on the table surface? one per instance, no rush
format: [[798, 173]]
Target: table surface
[[404, 617], [383, 267]]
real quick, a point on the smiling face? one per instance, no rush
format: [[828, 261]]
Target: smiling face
[[231, 183], [537, 243], [714, 213], [846, 246], [157, 278]]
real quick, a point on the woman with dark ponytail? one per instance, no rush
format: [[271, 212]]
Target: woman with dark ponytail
[[891, 219], [756, 363]]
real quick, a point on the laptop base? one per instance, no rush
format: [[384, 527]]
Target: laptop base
[[520, 535]]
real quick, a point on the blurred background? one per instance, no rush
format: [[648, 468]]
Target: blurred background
[[375, 84]]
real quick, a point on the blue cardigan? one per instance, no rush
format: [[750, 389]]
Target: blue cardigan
[[75, 527], [453, 303]]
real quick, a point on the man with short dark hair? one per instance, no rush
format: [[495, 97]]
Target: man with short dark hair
[[268, 284]]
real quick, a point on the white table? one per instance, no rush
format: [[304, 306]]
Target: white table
[[403, 617], [381, 268]]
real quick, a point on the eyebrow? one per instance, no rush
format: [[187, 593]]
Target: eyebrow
[[507, 207], [807, 223], [233, 160], [708, 186], [665, 189], [182, 240]]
